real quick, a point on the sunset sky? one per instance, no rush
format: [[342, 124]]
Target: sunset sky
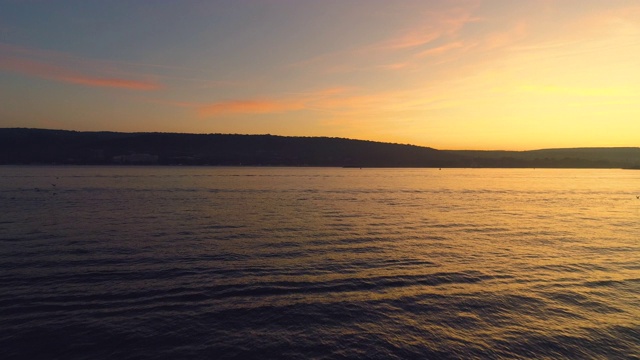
[[478, 74]]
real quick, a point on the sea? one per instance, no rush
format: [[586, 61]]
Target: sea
[[318, 263]]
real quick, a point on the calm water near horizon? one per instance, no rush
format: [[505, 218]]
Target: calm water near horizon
[[318, 263]]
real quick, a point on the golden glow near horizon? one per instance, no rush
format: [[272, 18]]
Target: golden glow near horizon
[[492, 74]]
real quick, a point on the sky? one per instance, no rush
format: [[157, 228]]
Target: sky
[[468, 74]]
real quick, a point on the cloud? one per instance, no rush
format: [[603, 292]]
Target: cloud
[[506, 37], [411, 39], [287, 103], [21, 60], [618, 20], [564, 91], [112, 82], [436, 26], [437, 29], [598, 24], [439, 50], [347, 102], [249, 106]]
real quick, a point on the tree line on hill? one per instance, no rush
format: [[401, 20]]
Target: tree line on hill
[[40, 146]]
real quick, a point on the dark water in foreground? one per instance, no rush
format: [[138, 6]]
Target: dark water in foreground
[[131, 263]]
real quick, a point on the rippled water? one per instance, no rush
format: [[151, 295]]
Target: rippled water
[[160, 262]]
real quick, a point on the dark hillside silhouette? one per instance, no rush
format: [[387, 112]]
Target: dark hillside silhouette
[[39, 146]]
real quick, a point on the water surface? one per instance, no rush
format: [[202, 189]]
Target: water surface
[[318, 263]]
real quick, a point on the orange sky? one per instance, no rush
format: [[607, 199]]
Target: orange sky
[[491, 74]]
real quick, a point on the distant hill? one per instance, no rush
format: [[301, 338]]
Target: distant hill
[[39, 146], [620, 157]]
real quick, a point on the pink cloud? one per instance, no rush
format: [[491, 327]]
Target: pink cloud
[[439, 25], [345, 105], [23, 63], [436, 27], [614, 21], [291, 102], [507, 37], [396, 66], [113, 82], [412, 39], [441, 49], [250, 106]]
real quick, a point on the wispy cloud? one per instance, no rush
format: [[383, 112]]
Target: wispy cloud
[[249, 106], [438, 32], [345, 103], [288, 102], [410, 39], [21, 60], [436, 26], [439, 50], [506, 37], [618, 23], [601, 92], [45, 71], [620, 20]]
